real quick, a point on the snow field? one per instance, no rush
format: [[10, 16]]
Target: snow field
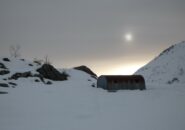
[[77, 106]]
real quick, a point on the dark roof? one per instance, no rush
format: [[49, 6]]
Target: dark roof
[[123, 77]]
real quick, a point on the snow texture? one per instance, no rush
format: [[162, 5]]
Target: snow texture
[[167, 68], [75, 105]]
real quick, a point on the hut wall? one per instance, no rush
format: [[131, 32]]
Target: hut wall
[[102, 82], [121, 82]]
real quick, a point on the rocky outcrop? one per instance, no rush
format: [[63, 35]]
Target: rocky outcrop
[[87, 70], [46, 71], [26, 75], [2, 92], [3, 72], [3, 85], [21, 75], [49, 72], [6, 59], [11, 83], [2, 66]]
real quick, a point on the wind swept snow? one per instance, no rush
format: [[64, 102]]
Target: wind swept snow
[[77, 106], [74, 104]]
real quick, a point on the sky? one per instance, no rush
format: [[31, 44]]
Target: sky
[[92, 32]]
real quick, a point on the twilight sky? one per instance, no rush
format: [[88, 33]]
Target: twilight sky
[[90, 32]]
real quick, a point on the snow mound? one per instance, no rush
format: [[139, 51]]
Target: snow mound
[[167, 68], [14, 70]]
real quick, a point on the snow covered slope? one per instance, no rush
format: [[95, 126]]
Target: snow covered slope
[[167, 68], [74, 105], [13, 71]]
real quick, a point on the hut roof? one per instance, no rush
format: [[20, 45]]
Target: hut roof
[[123, 77]]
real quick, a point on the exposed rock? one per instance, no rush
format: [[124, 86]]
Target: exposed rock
[[6, 59], [49, 72], [39, 76], [38, 62], [93, 85], [21, 75], [30, 64], [26, 75], [94, 76], [3, 72], [2, 66], [2, 92], [36, 80], [173, 80], [49, 82], [11, 83], [3, 85], [87, 70]]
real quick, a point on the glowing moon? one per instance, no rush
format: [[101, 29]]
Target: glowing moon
[[128, 37]]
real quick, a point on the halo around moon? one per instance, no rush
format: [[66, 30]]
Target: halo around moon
[[128, 37]]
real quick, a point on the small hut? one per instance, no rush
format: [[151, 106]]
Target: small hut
[[121, 82]]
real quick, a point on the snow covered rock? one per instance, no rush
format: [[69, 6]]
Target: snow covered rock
[[14, 70], [167, 68], [87, 70], [49, 72], [3, 72], [6, 59], [2, 66], [19, 75], [3, 85]]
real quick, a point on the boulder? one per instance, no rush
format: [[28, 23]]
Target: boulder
[[49, 72], [37, 80], [11, 83], [87, 70], [40, 77], [2, 92], [48, 82], [21, 75], [26, 75], [2, 66], [3, 85], [3, 72], [30, 64], [6, 59]]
